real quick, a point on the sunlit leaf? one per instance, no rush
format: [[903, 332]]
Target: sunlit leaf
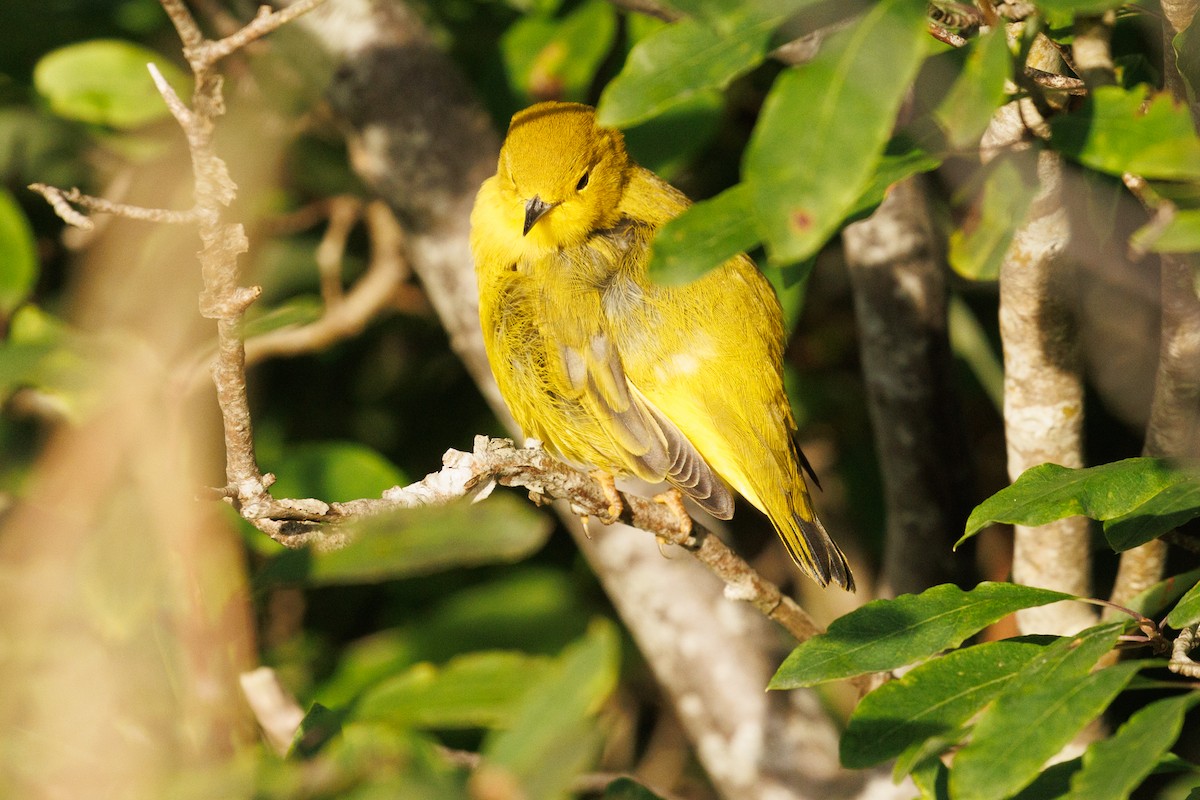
[[978, 246], [703, 237], [1040, 711], [931, 700], [1138, 498], [1180, 235], [474, 690], [967, 109], [333, 471], [556, 59], [105, 82], [824, 125], [1115, 131], [420, 541], [1187, 611], [677, 63], [885, 634], [553, 736], [18, 255]]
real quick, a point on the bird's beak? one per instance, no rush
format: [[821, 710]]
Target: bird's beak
[[535, 209]]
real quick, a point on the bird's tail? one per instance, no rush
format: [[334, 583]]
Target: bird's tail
[[810, 546]]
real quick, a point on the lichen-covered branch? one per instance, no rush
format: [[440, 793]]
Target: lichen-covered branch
[[900, 303], [1043, 385]]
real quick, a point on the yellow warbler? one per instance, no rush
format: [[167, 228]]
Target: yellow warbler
[[680, 384]]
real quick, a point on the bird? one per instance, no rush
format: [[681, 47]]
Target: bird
[[611, 371]]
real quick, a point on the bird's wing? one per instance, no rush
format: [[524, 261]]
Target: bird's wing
[[654, 448]]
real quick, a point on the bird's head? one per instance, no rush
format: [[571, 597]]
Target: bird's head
[[560, 174]]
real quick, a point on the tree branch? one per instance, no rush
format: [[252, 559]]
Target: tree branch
[[1043, 387], [900, 302]]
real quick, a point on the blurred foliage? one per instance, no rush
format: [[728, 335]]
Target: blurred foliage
[[476, 627]]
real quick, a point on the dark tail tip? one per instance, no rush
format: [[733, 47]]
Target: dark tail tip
[[824, 560]]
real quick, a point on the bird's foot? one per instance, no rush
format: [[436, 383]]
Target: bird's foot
[[673, 500], [611, 495]]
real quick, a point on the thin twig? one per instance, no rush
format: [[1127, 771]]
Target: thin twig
[[60, 201]]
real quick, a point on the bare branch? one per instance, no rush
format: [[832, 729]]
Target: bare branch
[[203, 55], [277, 712], [345, 315], [60, 201]]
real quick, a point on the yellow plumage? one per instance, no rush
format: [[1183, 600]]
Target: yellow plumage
[[608, 370]]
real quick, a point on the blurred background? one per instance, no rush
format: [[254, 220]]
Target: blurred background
[[130, 601]]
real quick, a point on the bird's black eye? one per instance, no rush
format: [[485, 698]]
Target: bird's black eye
[[583, 181]]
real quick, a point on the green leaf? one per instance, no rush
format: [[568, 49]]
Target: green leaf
[[1052, 783], [1163, 512], [557, 58], [1153, 601], [703, 237], [1066, 8], [553, 736], [1180, 235], [105, 82], [931, 700], [824, 125], [420, 541], [1110, 132], [885, 634], [1118, 490], [475, 690], [967, 109], [1187, 610], [678, 62], [902, 159], [18, 255], [293, 312], [978, 246], [1114, 767], [628, 789], [1040, 711], [319, 726], [334, 471]]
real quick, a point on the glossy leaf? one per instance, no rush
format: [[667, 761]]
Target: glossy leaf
[[703, 237], [1040, 711], [1063, 8], [1187, 610], [18, 255], [334, 472], [902, 159], [885, 634], [105, 82], [968, 107], [1163, 512], [1114, 767], [1112, 133], [553, 736], [978, 246], [557, 59], [824, 125], [474, 690], [679, 62], [1155, 600], [931, 700], [1107, 492], [420, 541]]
